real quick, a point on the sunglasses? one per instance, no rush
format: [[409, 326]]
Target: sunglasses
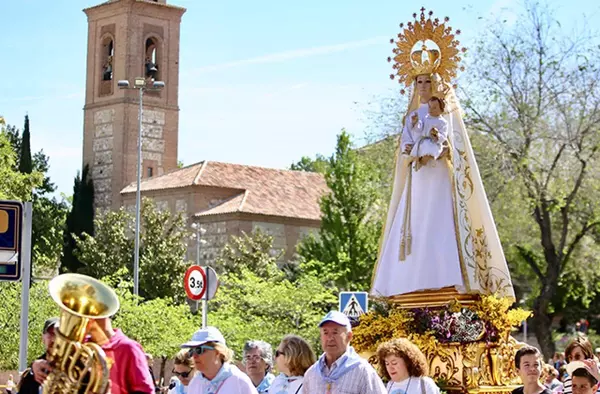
[[279, 353], [182, 374], [199, 350]]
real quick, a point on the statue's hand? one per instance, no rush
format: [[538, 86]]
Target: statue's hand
[[445, 153], [408, 148], [414, 119], [435, 134]]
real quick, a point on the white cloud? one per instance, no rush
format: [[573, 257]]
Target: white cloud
[[292, 54]]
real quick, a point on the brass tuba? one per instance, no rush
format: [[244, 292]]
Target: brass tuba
[[79, 366]]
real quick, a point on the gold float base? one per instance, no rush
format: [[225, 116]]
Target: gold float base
[[433, 298], [477, 367]]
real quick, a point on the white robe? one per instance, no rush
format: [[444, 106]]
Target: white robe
[[433, 262]]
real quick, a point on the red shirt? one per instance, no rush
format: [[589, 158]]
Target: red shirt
[[129, 371]]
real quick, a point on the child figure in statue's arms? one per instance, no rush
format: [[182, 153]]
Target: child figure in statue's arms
[[433, 131]]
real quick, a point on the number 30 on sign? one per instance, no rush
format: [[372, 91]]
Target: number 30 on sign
[[195, 282]]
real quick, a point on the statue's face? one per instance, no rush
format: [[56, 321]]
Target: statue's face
[[434, 108], [424, 86]]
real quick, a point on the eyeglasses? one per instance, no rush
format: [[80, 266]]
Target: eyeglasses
[[198, 350], [182, 374], [279, 353], [254, 357]]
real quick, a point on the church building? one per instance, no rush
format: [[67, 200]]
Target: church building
[[129, 39]]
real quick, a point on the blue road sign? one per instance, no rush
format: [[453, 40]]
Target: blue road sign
[[11, 221], [354, 303]]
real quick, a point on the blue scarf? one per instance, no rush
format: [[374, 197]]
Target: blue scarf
[[213, 385], [344, 364], [265, 383], [179, 387]]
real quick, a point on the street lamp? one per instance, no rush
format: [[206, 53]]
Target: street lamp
[[141, 85]]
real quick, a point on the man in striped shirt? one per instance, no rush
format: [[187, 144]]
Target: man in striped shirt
[[340, 369]]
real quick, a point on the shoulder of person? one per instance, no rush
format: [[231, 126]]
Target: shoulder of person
[[429, 383], [241, 377], [518, 390], [311, 370]]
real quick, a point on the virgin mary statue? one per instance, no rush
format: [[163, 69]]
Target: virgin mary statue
[[439, 232]]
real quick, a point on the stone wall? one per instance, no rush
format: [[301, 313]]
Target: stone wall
[[153, 142], [102, 166], [216, 238]]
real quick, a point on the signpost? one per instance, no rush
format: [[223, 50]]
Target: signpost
[[201, 283], [15, 260], [11, 223], [354, 303]]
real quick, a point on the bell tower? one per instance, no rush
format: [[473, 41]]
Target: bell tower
[[128, 39]]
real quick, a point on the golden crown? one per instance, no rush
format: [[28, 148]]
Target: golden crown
[[426, 46]]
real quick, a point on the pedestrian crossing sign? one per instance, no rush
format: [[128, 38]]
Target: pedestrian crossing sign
[[354, 303]]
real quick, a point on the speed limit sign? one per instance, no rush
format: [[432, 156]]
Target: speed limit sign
[[195, 282]]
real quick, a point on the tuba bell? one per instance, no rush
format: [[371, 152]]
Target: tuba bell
[[79, 366]]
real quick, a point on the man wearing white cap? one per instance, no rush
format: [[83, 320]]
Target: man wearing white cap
[[212, 359], [340, 369]]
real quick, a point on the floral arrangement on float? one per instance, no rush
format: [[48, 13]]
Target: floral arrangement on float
[[465, 346]]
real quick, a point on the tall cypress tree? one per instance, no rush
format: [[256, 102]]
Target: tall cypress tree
[[25, 163], [80, 220]]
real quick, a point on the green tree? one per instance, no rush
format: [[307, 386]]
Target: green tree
[[536, 103], [163, 247], [13, 184], [79, 220], [250, 306], [249, 251], [41, 307], [319, 164], [49, 213], [345, 248], [257, 299], [25, 163]]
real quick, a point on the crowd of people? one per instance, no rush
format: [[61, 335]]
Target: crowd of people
[[205, 365]]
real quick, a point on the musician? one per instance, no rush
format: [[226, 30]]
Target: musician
[[34, 376], [129, 371]]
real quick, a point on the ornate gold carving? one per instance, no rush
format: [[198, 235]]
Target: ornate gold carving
[[474, 367], [426, 46]]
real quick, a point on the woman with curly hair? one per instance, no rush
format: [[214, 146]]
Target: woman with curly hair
[[404, 365]]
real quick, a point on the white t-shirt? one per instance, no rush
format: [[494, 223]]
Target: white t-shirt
[[237, 383], [413, 385], [283, 385]]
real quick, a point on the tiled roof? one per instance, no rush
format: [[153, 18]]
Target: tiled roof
[[263, 191]]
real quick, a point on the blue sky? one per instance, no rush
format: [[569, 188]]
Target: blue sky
[[262, 82]]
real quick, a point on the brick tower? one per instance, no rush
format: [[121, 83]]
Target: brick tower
[[123, 36]]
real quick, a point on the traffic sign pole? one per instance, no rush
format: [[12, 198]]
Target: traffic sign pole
[[205, 301], [25, 282]]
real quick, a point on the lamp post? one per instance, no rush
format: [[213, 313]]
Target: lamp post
[[139, 84]]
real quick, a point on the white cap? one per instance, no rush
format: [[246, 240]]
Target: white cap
[[205, 335], [575, 365], [337, 318]]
